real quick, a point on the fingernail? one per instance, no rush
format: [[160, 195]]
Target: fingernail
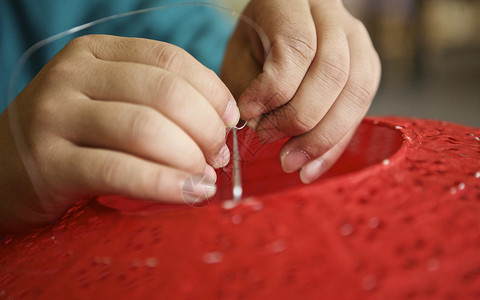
[[232, 114], [210, 173], [251, 110], [209, 190], [222, 158], [294, 160], [312, 171], [198, 189]]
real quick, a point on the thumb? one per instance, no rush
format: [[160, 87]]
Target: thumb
[[291, 32]]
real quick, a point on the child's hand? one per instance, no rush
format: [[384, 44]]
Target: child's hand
[[111, 115], [315, 83]]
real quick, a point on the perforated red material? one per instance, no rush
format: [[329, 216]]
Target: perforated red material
[[397, 218]]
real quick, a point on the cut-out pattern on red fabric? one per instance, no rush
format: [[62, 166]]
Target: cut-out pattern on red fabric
[[398, 217]]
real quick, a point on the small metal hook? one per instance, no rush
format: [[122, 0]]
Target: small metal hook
[[240, 125]]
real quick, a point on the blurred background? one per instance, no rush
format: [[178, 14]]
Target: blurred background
[[430, 52]]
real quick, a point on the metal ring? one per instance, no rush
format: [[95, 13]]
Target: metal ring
[[240, 125]]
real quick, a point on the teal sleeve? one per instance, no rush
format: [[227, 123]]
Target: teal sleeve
[[202, 31]]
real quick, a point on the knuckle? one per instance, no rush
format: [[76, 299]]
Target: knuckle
[[151, 184], [334, 71], [169, 57], [141, 126], [302, 47], [80, 41], [169, 86], [359, 93], [85, 41], [148, 186], [45, 116], [44, 153], [303, 122], [282, 91], [290, 121], [298, 53], [56, 71], [326, 141], [108, 173]]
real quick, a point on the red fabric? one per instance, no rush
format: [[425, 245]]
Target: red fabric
[[398, 217]]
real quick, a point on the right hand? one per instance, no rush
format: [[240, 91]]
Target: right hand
[[112, 115]]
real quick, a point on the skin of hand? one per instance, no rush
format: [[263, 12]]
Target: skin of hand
[[313, 83], [106, 116]]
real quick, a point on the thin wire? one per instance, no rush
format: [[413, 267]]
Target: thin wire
[[237, 188]]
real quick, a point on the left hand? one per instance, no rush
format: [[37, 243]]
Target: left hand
[[315, 83]]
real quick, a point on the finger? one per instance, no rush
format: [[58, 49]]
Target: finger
[[347, 112], [133, 129], [312, 170], [103, 172], [168, 57], [243, 59], [293, 45], [169, 94], [321, 86]]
